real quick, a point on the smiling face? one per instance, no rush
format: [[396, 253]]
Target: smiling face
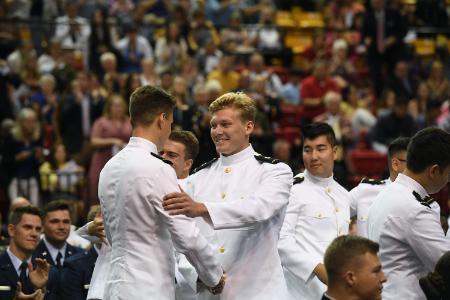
[[25, 235], [57, 226], [229, 132], [319, 156]]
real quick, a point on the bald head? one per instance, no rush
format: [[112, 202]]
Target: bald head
[[19, 202]]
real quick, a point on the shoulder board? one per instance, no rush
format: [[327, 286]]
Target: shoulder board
[[427, 201], [164, 160], [298, 179], [205, 165], [266, 159], [372, 181]]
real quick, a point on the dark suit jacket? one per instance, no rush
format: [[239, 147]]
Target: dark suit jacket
[[9, 279], [394, 26], [71, 123], [324, 297], [401, 90], [76, 275], [41, 251]]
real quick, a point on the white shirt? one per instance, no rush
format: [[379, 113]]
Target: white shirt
[[362, 197], [246, 200], [76, 240], [54, 251], [142, 235], [16, 261], [410, 236], [142, 46], [317, 213]]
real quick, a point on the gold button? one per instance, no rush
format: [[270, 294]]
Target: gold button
[[337, 209], [222, 249], [328, 190], [320, 215], [223, 195], [227, 170]]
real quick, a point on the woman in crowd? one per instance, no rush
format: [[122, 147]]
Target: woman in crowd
[[109, 134]]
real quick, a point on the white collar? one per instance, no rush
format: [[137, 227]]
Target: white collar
[[411, 184], [237, 157], [54, 251], [321, 181], [143, 143], [15, 260]]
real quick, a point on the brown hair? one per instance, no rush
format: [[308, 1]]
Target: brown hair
[[239, 101], [16, 215], [189, 141], [147, 102], [344, 251]]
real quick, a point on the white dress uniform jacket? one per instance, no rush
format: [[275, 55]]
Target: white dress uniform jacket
[[142, 235], [318, 212], [246, 198], [410, 236], [362, 197]]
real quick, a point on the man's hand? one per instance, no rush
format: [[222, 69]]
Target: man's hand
[[39, 275], [37, 295], [96, 228], [321, 273], [219, 287], [179, 203]]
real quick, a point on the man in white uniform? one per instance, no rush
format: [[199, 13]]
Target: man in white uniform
[[241, 197], [181, 149], [405, 221], [318, 212], [363, 195], [142, 235]]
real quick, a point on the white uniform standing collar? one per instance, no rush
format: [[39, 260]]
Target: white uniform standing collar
[[411, 183], [324, 182], [143, 143], [237, 157]]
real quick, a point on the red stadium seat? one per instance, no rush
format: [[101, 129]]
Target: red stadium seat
[[366, 163]]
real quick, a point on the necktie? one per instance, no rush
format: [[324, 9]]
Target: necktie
[[27, 288], [380, 33], [58, 260]]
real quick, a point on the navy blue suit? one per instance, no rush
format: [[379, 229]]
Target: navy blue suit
[[9, 279], [76, 275], [41, 251]]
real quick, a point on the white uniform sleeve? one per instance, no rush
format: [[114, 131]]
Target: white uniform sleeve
[[269, 198], [354, 195], [83, 232], [294, 257], [185, 235], [426, 237]]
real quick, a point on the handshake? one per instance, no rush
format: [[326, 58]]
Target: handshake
[[216, 289]]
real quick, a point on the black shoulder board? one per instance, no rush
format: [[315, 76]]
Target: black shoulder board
[[298, 179], [164, 160], [205, 165], [425, 201], [372, 181], [267, 159]]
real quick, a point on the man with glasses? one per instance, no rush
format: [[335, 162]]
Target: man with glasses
[[365, 193]]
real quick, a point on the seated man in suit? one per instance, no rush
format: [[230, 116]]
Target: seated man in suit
[[20, 276], [77, 272], [53, 246]]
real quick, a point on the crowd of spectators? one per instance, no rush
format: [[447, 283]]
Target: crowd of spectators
[[67, 69]]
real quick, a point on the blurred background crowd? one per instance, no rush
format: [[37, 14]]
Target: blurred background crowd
[[374, 70]]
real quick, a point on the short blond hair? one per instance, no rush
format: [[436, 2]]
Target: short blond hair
[[239, 101]]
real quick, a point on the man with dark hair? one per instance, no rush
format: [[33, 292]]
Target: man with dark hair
[[317, 212], [181, 149], [35, 276], [142, 235], [77, 272], [239, 201], [405, 220], [54, 247], [365, 193], [353, 269]]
